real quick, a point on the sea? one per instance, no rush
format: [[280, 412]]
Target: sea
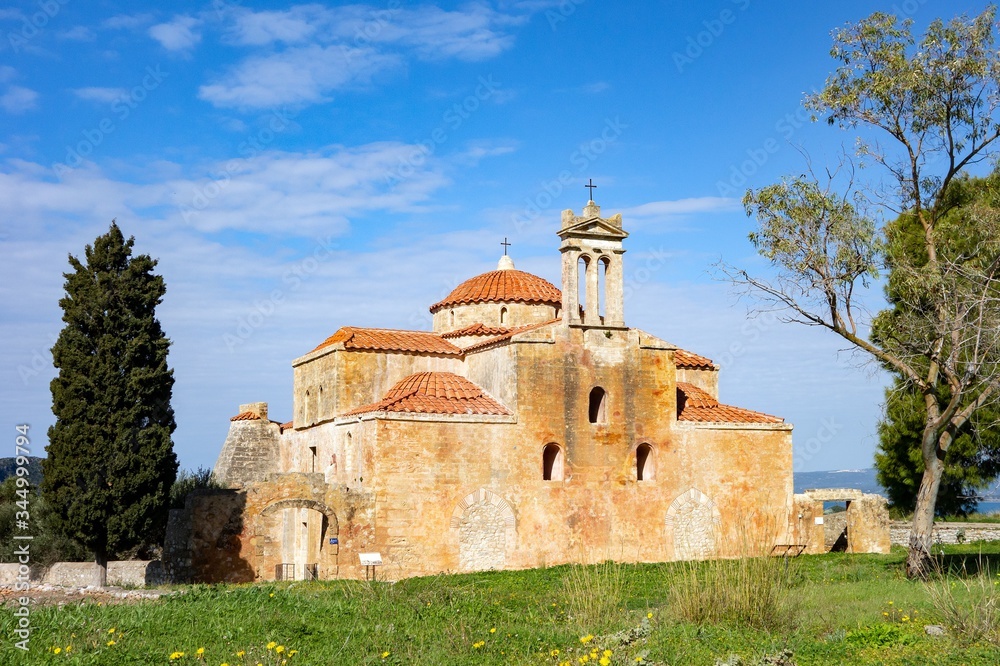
[[865, 480]]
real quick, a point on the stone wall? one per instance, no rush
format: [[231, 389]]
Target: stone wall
[[899, 532], [250, 452], [866, 521], [129, 573]]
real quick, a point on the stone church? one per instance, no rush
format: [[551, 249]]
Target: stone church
[[531, 427]]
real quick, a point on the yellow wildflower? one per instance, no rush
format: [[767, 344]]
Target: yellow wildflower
[[292, 653], [110, 643], [554, 653], [604, 661], [57, 650], [606, 653], [385, 654], [279, 649], [200, 651], [586, 639], [649, 616], [272, 645], [493, 630], [176, 655], [240, 654], [111, 630]]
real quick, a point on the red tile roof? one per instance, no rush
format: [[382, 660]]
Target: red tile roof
[[691, 361], [246, 416], [287, 426], [434, 393], [503, 286], [381, 339], [507, 336], [696, 405], [476, 329]]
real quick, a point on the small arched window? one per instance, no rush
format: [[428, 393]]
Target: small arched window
[[452, 318], [598, 405], [552, 463], [644, 468], [503, 316]]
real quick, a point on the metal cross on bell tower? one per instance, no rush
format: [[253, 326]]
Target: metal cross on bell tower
[[590, 185]]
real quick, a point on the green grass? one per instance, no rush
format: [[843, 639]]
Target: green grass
[[840, 613]]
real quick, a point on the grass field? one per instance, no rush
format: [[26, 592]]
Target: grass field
[[830, 609]]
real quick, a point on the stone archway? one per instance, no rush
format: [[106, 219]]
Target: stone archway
[[486, 531], [295, 537], [692, 522]]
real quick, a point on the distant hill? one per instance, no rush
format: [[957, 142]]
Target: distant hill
[[8, 467], [862, 479]]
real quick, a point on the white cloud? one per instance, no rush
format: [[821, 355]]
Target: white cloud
[[322, 49], [127, 21], [100, 95], [80, 33], [683, 207], [18, 100], [595, 88], [302, 75], [476, 151], [179, 34], [294, 25]]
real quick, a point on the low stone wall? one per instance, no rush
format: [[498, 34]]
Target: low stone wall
[[130, 573], [899, 532]]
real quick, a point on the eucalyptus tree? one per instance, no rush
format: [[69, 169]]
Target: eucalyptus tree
[[925, 111]]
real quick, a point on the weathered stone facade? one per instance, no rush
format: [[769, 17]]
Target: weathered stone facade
[[527, 429]]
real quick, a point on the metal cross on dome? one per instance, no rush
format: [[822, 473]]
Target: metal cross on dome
[[590, 185], [505, 246]]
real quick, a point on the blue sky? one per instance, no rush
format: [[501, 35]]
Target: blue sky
[[299, 167]]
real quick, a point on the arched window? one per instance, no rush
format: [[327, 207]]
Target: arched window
[[644, 468], [503, 316], [604, 263], [452, 318], [581, 281], [552, 463], [598, 405]]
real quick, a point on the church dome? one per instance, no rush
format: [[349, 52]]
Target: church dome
[[504, 285]]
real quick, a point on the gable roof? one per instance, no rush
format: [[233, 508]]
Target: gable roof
[[382, 339], [696, 405], [503, 337], [691, 361], [434, 393], [476, 329], [503, 286]]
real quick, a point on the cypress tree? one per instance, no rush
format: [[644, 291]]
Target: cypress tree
[[110, 461]]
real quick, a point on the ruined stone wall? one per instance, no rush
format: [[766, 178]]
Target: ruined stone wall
[[866, 521], [950, 533], [249, 454], [203, 541], [130, 573]]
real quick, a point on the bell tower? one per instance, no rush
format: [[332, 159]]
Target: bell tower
[[591, 255]]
